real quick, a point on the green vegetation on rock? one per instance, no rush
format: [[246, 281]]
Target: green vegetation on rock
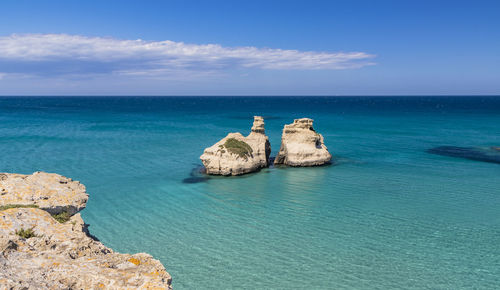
[[25, 234], [238, 147], [62, 217], [7, 206]]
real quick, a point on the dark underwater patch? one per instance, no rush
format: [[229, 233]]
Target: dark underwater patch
[[196, 175], [491, 154]]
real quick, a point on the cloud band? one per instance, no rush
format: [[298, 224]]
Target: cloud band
[[75, 54]]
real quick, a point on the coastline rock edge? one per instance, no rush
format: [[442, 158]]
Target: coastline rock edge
[[38, 251], [51, 192]]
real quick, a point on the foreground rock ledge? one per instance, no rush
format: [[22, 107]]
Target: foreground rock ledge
[[236, 154], [49, 191], [301, 145], [64, 256]]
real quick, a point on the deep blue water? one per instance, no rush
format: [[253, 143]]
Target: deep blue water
[[386, 215]]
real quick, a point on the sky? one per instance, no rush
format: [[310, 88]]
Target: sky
[[273, 47]]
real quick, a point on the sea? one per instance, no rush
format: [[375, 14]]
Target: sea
[[387, 213]]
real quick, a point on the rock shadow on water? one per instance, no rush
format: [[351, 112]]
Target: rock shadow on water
[[199, 174], [196, 175], [488, 154]]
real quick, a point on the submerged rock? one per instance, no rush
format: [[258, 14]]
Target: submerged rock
[[236, 154], [38, 252], [301, 145], [491, 154]]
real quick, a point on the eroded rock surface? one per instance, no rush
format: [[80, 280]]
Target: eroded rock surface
[[49, 191], [236, 154], [64, 256], [301, 145]]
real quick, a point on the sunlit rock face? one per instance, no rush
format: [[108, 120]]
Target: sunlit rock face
[[301, 145], [49, 191], [39, 252], [236, 154]]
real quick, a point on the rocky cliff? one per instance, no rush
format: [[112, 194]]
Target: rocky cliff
[[44, 244], [301, 145], [236, 154], [51, 192]]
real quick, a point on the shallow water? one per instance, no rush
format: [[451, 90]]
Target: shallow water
[[386, 214]]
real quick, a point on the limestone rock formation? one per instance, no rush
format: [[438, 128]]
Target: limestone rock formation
[[49, 191], [301, 145], [38, 252], [236, 154]]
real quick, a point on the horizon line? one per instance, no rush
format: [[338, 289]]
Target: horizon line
[[236, 95]]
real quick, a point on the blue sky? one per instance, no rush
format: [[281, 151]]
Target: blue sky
[[249, 47]]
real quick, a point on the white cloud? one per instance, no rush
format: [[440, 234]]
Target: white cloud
[[75, 54]]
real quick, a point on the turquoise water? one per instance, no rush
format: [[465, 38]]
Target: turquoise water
[[385, 215]]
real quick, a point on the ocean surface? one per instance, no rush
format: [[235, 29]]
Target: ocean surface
[[387, 214]]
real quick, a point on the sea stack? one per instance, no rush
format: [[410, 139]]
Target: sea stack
[[301, 145], [45, 244], [236, 154]]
